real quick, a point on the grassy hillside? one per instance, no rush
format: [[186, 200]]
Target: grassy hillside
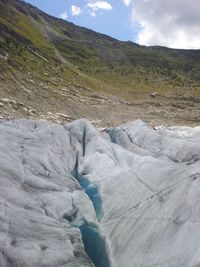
[[46, 61]]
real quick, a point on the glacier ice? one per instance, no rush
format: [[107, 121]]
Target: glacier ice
[[95, 246], [72, 195]]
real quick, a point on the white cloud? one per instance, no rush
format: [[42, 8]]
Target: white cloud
[[63, 15], [127, 2], [76, 10], [93, 14], [172, 23], [100, 5]]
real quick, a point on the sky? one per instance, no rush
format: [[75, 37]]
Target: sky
[[171, 23]]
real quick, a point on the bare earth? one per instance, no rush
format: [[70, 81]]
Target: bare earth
[[71, 103]]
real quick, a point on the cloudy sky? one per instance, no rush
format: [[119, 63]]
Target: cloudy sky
[[171, 23]]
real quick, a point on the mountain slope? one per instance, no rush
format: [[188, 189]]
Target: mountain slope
[[47, 64]]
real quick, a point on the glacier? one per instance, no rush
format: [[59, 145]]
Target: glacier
[[73, 195]]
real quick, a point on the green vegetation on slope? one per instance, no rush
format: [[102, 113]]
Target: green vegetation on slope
[[41, 46]]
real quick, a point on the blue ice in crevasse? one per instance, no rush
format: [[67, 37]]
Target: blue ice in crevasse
[[92, 190], [95, 246]]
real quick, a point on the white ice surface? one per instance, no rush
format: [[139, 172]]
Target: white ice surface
[[149, 182]]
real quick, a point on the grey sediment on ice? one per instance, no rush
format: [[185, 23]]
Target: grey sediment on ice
[[72, 195]]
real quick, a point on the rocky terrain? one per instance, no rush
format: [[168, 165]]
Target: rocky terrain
[[72, 195], [106, 110], [52, 69]]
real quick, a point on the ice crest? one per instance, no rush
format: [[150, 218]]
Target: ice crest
[[72, 195]]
